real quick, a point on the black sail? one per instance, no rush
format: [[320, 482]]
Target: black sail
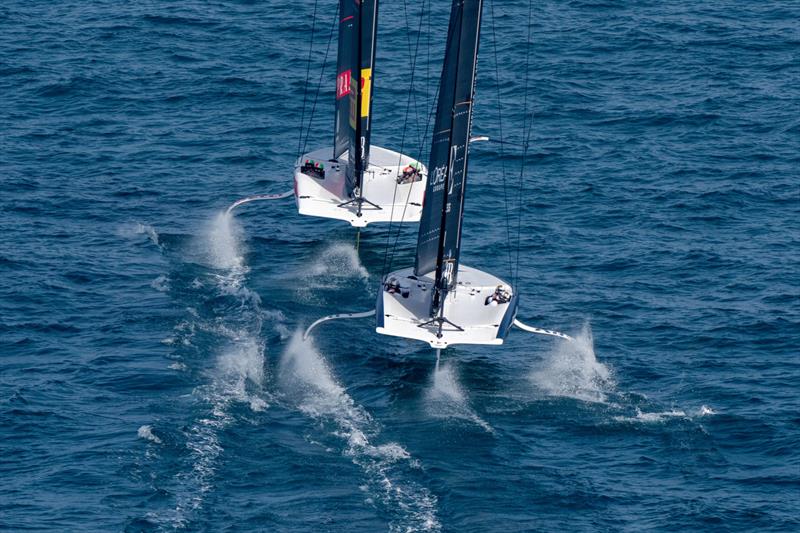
[[439, 242], [348, 31], [355, 62], [369, 34]]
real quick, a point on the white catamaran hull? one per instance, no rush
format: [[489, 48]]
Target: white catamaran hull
[[470, 319], [323, 197]]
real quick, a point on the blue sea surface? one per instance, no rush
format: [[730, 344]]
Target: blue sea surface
[[151, 373]]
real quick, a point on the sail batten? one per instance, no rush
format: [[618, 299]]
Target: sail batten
[[439, 241]]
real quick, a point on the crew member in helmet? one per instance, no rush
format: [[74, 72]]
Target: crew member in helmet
[[501, 295], [392, 286], [410, 174]]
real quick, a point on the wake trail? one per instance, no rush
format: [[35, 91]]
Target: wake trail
[[309, 381], [238, 373]]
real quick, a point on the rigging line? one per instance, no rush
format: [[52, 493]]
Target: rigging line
[[405, 206], [413, 61], [429, 125], [502, 153], [399, 156], [305, 85], [428, 61], [414, 55], [526, 138], [319, 84]]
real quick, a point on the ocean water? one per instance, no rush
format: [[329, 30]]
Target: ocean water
[[152, 377]]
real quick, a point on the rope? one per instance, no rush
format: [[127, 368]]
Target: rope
[[502, 143], [414, 56], [413, 63], [405, 205], [526, 138], [308, 76], [423, 142], [319, 83]]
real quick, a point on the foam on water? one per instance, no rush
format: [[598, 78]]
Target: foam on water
[[446, 397], [241, 364], [572, 370], [146, 432], [132, 230], [705, 410], [651, 418], [161, 283], [666, 415], [308, 379]]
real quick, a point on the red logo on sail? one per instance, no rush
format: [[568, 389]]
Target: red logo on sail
[[343, 84]]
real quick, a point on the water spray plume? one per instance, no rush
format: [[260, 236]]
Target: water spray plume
[[573, 371], [222, 243], [309, 381], [447, 398]]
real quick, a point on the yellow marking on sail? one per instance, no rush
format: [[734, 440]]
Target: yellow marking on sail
[[366, 80]]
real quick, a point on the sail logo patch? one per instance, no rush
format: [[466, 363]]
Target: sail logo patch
[[437, 179], [343, 84], [366, 85]]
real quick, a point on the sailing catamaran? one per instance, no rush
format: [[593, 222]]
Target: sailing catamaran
[[355, 181], [439, 300]]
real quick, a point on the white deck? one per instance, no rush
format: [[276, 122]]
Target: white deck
[[466, 307], [322, 197]]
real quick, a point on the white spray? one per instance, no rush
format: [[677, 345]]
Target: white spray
[[446, 397], [572, 370], [307, 377]]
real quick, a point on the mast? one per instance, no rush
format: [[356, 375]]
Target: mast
[[355, 61], [439, 241]]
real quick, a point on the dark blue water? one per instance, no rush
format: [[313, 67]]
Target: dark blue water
[[150, 374]]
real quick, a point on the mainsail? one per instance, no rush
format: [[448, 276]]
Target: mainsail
[[355, 61], [439, 242]]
